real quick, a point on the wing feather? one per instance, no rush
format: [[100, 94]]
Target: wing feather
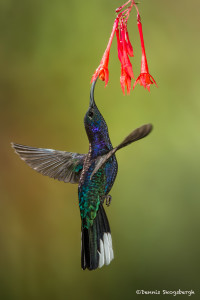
[[61, 165], [135, 135]]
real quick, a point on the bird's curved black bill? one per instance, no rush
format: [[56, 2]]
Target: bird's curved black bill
[[92, 103]]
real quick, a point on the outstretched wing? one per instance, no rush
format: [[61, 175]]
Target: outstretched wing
[[61, 165], [135, 135]]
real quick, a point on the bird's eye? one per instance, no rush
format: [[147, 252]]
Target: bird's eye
[[90, 114]]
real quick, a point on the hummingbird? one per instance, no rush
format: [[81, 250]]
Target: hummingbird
[[95, 173]]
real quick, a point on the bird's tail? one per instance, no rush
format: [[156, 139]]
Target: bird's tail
[[96, 243]]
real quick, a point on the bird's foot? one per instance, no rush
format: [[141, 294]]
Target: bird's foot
[[108, 199]]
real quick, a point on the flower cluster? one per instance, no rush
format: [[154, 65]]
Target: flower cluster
[[125, 51]]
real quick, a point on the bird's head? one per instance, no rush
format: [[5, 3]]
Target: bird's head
[[95, 124]]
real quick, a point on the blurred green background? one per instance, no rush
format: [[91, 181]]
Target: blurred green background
[[48, 52]]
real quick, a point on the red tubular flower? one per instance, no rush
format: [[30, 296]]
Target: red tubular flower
[[125, 51], [126, 67], [119, 45], [144, 78], [125, 59], [128, 44], [125, 80], [102, 70]]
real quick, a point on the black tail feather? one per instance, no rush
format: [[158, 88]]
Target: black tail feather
[[96, 250]]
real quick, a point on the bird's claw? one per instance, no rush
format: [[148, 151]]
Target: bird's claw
[[108, 200]]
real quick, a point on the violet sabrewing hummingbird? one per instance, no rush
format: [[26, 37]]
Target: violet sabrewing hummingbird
[[95, 173]]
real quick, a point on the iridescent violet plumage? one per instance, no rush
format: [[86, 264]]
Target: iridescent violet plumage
[[93, 190]]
